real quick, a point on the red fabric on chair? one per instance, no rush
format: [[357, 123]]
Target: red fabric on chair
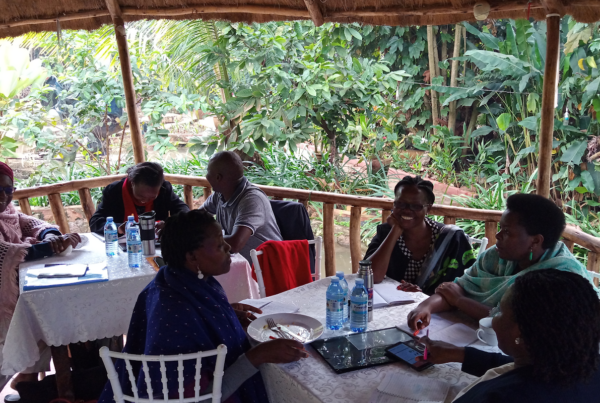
[[284, 265]]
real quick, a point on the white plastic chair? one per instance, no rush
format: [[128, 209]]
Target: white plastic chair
[[483, 241], [318, 242], [215, 396]]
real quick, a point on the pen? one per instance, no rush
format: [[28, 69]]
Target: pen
[[425, 352]]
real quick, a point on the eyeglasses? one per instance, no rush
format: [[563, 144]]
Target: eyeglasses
[[8, 190], [412, 207]]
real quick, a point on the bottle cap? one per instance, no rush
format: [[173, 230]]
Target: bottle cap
[[109, 219], [335, 280], [359, 281], [339, 274], [130, 218], [365, 263]]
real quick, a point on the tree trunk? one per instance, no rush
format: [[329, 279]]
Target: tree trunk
[[444, 72], [472, 124], [432, 50], [454, 77]]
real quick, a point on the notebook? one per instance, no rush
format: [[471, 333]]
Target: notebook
[[442, 329], [399, 388], [95, 273], [59, 270], [386, 294]]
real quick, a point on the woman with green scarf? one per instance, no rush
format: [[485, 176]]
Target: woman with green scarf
[[528, 240]]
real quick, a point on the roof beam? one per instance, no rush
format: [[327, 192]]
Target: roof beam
[[315, 12], [554, 7]]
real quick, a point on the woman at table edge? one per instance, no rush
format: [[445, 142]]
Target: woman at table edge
[[528, 240], [22, 238], [414, 249], [546, 361], [144, 189], [185, 310]]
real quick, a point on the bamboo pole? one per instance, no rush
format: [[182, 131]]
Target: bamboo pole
[[593, 264], [491, 228], [130, 98], [569, 244], [384, 215], [58, 211], [87, 204], [206, 191], [355, 245], [432, 70], [315, 12], [454, 77], [548, 105], [444, 72], [188, 195], [450, 220], [25, 206], [65, 187], [329, 239]]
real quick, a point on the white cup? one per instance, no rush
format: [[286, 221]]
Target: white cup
[[485, 333]]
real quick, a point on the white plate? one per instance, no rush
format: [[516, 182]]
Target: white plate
[[305, 327]]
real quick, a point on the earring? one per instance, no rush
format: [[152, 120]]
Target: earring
[[200, 275], [517, 340], [531, 254]]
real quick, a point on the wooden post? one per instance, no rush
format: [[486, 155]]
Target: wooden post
[[548, 104], [62, 364], [384, 215], [593, 264], [58, 211], [277, 198], [454, 76], [206, 191], [450, 220], [355, 245], [25, 206], [87, 203], [315, 12], [130, 98], [329, 239], [491, 228], [188, 195], [569, 244], [432, 70], [304, 202]]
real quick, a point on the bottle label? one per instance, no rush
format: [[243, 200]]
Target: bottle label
[[110, 236], [360, 308], [134, 247], [370, 291], [335, 305]]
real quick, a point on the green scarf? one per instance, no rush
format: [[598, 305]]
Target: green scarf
[[489, 278]]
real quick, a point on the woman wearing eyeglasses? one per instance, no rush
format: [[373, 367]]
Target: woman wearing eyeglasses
[[22, 238], [414, 249]]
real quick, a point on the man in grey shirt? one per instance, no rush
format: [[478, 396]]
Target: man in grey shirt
[[242, 209]]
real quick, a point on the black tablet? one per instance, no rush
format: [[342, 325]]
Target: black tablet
[[359, 350], [406, 352]]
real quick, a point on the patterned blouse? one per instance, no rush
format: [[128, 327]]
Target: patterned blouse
[[414, 266]]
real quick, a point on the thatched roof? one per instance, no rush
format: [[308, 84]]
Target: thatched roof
[[21, 16]]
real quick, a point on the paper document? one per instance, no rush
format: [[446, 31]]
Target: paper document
[[270, 307], [60, 270], [445, 330], [386, 294], [399, 388], [95, 273]]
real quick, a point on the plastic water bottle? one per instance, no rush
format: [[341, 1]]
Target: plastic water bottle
[[335, 305], [344, 285], [359, 310], [111, 237], [134, 243]]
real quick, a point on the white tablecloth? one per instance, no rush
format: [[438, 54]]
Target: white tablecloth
[[72, 314], [312, 380]]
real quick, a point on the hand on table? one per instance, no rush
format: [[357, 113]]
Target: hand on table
[[451, 292], [62, 242], [244, 313], [419, 318], [408, 287], [440, 352], [280, 351]]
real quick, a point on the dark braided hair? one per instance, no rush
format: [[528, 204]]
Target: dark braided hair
[[422, 184], [146, 173], [538, 215], [558, 314], [183, 233]]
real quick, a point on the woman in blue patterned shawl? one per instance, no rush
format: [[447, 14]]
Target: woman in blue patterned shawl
[[528, 240], [185, 310]]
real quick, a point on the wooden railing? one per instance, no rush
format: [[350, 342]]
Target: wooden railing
[[571, 235]]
